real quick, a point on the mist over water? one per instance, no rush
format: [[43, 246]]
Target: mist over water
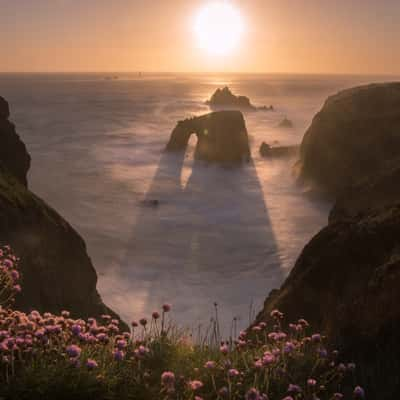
[[225, 235]]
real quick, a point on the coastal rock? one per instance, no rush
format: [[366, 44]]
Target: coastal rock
[[285, 123], [13, 154], [345, 283], [221, 137], [4, 109], [356, 131], [267, 150], [224, 98], [57, 272], [346, 280]]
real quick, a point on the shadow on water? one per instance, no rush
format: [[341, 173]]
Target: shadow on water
[[208, 240]]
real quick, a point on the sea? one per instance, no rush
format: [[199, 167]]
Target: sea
[[163, 227]]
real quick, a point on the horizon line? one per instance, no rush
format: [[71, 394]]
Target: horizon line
[[201, 73]]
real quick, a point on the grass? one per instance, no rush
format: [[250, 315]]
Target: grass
[[46, 356]]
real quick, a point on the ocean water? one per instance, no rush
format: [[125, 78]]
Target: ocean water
[[224, 235]]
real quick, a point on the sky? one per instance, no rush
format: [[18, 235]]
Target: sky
[[282, 36]]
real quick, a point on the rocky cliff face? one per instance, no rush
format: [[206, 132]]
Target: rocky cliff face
[[57, 272], [221, 137], [13, 153], [371, 193], [351, 136], [346, 280], [346, 283]]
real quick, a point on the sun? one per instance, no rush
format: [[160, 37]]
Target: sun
[[218, 28]]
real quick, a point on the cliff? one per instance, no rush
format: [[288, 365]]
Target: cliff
[[57, 272], [346, 280], [345, 283], [13, 153], [356, 130]]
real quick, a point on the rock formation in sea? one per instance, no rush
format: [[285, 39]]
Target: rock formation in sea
[[221, 137], [349, 138], [267, 150], [225, 98], [57, 272], [346, 280], [285, 123], [13, 153]]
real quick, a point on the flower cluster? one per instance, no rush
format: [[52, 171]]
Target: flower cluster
[[9, 276], [155, 359]]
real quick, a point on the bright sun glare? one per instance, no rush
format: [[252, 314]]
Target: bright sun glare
[[218, 27]]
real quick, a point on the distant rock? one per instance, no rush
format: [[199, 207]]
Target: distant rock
[[346, 284], [266, 108], [224, 99], [356, 131], [285, 123], [267, 150], [57, 272], [152, 203], [13, 154], [221, 137]]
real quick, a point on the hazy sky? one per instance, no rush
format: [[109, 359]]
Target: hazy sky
[[309, 36]]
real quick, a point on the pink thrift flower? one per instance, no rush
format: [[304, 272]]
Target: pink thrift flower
[[168, 379], [91, 364], [253, 394], [17, 288], [118, 355], [224, 349], [15, 274], [209, 365], [195, 385], [268, 358], [311, 382], [233, 373], [276, 314], [73, 351], [289, 347], [166, 307], [121, 344], [316, 338], [359, 392]]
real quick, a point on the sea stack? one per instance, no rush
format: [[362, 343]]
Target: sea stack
[[225, 99], [221, 137]]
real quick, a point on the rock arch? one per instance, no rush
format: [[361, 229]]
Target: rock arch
[[221, 137]]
